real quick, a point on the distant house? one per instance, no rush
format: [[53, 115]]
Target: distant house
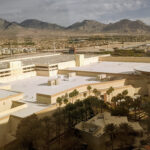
[[72, 50], [92, 131]]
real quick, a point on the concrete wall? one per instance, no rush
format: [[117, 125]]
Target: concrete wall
[[131, 91], [12, 110], [90, 74], [6, 103], [42, 73], [79, 59], [139, 82], [5, 137], [17, 71], [5, 87], [17, 77], [91, 60], [79, 73], [13, 124], [47, 99], [126, 59], [43, 98], [71, 64], [68, 64], [4, 120], [16, 68]]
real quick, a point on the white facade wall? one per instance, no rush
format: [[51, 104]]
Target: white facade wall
[[91, 60], [68, 64]]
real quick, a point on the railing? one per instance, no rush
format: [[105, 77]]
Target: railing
[[28, 68], [5, 72]]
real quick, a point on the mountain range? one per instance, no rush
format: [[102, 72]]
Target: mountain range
[[86, 26]]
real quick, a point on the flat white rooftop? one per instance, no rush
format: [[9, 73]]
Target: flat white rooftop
[[30, 109], [112, 67], [33, 85], [144, 69], [6, 93]]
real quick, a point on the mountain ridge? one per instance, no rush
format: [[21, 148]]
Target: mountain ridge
[[33, 23], [85, 26]]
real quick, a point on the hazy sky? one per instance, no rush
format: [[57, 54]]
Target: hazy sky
[[66, 12]]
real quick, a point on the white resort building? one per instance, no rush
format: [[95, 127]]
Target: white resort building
[[31, 85]]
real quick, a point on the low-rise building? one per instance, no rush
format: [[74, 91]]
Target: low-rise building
[[92, 131]]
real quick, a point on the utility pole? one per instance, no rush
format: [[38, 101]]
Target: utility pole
[[10, 47], [54, 46]]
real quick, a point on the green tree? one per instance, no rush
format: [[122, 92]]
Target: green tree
[[102, 105], [120, 97], [126, 135], [76, 92], [136, 104], [125, 93], [65, 101], [119, 111], [109, 91], [28, 132], [114, 100], [146, 107], [59, 101], [111, 131], [89, 89], [95, 91], [128, 102], [84, 94], [73, 94]]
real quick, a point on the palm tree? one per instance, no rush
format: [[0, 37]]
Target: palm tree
[[125, 93], [110, 90], [114, 100], [148, 124], [146, 107], [59, 101], [111, 131], [128, 102], [87, 106], [89, 89], [78, 103], [126, 128], [66, 95], [65, 100], [81, 112], [84, 94], [119, 97], [125, 134], [95, 91], [71, 95], [102, 105], [74, 93], [136, 104], [68, 110]]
